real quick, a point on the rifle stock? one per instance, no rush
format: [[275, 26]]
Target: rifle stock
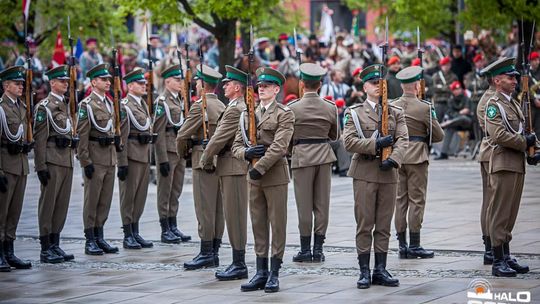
[[203, 101], [525, 93], [187, 83], [72, 85], [383, 99], [250, 100], [29, 100], [422, 90], [116, 95], [184, 91]]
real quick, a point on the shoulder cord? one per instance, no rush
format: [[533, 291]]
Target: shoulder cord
[[4, 125]]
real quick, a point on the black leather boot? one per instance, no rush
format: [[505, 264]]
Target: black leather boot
[[176, 231], [91, 247], [47, 254], [144, 243], [237, 270], [258, 281], [365, 275], [512, 262], [216, 243], [272, 284], [403, 246], [318, 255], [167, 236], [12, 259], [204, 259], [488, 254], [441, 156], [4, 266], [100, 241], [415, 250], [129, 240], [55, 246], [304, 255], [380, 275], [499, 267]]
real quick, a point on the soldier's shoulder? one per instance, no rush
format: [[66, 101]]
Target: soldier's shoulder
[[356, 105], [124, 101], [393, 106], [291, 103], [283, 107], [161, 98], [44, 102], [328, 101], [425, 102]]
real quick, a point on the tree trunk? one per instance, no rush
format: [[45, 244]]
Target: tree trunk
[[226, 37]]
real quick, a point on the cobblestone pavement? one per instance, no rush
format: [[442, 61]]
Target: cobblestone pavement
[[451, 227]]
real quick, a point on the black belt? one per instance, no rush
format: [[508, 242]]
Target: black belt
[[418, 138], [225, 149], [369, 157], [103, 141], [309, 141], [60, 141], [197, 142], [17, 147]]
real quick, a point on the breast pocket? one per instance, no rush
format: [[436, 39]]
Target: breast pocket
[[513, 121], [175, 113], [60, 119], [368, 129], [102, 118]]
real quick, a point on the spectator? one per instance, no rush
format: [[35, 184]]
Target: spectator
[[156, 52], [282, 49], [212, 56], [261, 46], [394, 85], [441, 83], [335, 88], [460, 66], [90, 58], [534, 84], [356, 93], [313, 54], [475, 83]]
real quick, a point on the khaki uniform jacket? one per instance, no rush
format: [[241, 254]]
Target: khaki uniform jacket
[[314, 118], [418, 115], [274, 130], [476, 84], [46, 152], [133, 150], [485, 150], [193, 128], [442, 92], [166, 136], [365, 169], [221, 142], [14, 164], [91, 152]]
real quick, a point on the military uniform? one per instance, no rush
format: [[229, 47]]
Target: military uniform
[[13, 168], [206, 192], [423, 129], [53, 134], [316, 123], [97, 154], [442, 92], [375, 189], [232, 178], [268, 180]]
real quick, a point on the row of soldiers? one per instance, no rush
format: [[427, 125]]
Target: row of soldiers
[[223, 154]]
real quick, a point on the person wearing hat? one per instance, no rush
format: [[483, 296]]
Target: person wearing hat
[[231, 172], [374, 180], [168, 118], [441, 85], [534, 85], [423, 129], [13, 164], [282, 49], [315, 125], [134, 159], [355, 94], [90, 57], [206, 191], [427, 78], [475, 83], [504, 122], [459, 64], [97, 154], [268, 178], [393, 84], [54, 164]]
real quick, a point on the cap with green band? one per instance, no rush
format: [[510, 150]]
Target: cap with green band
[[208, 74], [60, 72], [172, 71], [269, 75], [371, 72], [409, 74], [135, 75], [15, 73], [233, 73], [311, 71], [100, 70], [501, 66]]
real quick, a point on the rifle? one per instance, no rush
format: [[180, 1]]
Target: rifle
[[116, 100], [422, 91], [525, 97], [203, 98], [72, 88], [150, 83], [187, 82], [383, 98], [299, 59], [29, 97], [185, 90], [250, 100]]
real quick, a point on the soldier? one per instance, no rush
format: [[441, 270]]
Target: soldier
[[475, 83], [54, 164], [315, 124], [168, 118], [134, 159], [97, 154], [441, 83], [13, 164], [504, 122], [206, 193], [232, 172], [423, 129], [375, 181], [394, 85], [268, 178]]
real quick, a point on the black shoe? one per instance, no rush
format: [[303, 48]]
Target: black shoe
[[380, 275], [144, 243], [12, 259], [91, 247], [343, 173], [488, 254], [441, 156], [129, 240], [365, 275], [403, 246], [415, 250], [176, 231], [258, 281], [499, 267], [237, 270], [216, 243], [167, 236], [100, 241], [47, 254], [4, 266], [204, 259], [304, 255], [512, 262], [55, 244], [318, 255], [272, 284]]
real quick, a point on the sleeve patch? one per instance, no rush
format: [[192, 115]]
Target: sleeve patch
[[82, 113], [433, 113], [40, 116], [491, 111], [160, 110]]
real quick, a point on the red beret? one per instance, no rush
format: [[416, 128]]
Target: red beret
[[477, 58], [283, 36], [289, 98], [445, 60], [340, 103], [393, 60], [455, 85], [415, 62], [328, 97], [357, 71], [534, 55], [90, 40]]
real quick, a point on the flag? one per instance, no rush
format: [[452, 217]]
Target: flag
[[59, 56], [26, 8], [78, 49]]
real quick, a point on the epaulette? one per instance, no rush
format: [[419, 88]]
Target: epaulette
[[356, 105], [125, 101], [283, 107], [293, 101], [329, 101], [426, 102], [233, 104], [396, 107], [1, 100], [86, 100], [162, 97], [43, 102], [393, 100]]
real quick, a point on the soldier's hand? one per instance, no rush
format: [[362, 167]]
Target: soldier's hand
[[385, 141], [531, 139], [44, 177], [533, 161], [119, 147], [388, 164], [89, 171], [164, 169], [122, 173], [3, 183], [254, 174], [254, 152], [209, 168], [205, 143]]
